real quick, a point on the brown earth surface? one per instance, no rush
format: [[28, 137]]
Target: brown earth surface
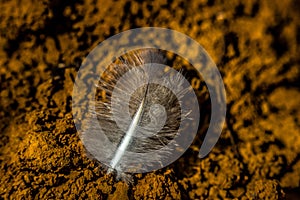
[[255, 45]]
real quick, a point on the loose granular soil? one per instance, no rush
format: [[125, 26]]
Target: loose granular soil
[[255, 45]]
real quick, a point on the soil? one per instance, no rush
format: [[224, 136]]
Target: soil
[[255, 45]]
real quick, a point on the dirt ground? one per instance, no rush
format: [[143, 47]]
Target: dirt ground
[[255, 45]]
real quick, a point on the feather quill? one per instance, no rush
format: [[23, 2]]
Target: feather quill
[[129, 134]]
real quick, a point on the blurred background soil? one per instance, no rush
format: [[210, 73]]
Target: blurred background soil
[[255, 45]]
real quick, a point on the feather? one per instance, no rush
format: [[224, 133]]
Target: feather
[[140, 114]]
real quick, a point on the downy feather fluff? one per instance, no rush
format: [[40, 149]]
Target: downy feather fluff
[[146, 105]]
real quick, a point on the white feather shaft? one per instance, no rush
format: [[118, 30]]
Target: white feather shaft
[[125, 142]]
